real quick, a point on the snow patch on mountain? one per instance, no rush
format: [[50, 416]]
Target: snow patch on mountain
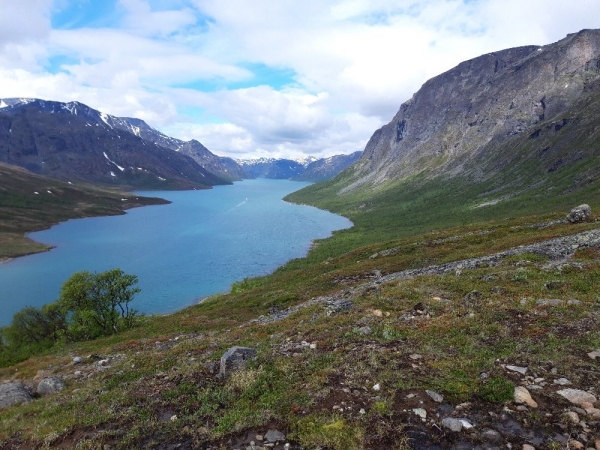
[[122, 169]]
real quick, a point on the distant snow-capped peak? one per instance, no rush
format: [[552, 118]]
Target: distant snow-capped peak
[[302, 160]]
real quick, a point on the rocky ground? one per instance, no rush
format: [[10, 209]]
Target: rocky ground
[[493, 352]]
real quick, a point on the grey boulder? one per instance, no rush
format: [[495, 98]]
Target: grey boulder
[[581, 213], [50, 385], [236, 358], [13, 393]]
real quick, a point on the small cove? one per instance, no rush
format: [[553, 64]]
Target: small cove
[[195, 247]]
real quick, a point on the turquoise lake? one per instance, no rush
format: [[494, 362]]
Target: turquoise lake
[[195, 247]]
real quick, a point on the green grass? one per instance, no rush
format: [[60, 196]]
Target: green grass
[[458, 342], [160, 389]]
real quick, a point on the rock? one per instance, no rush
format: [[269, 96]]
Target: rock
[[597, 444], [594, 412], [491, 435], [13, 393], [528, 447], [576, 445], [577, 396], [452, 424], [435, 396], [466, 424], [595, 354], [50, 385], [235, 358], [77, 360], [581, 213], [333, 307], [274, 436], [521, 370], [377, 387], [473, 298], [366, 330], [572, 416], [562, 381], [415, 356], [523, 396], [549, 302], [420, 412]]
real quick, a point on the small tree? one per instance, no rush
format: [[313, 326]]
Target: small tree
[[37, 326], [90, 306], [98, 304]]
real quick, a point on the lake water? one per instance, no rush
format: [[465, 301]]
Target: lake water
[[195, 247]]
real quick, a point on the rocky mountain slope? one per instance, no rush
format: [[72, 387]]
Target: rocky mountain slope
[[326, 168], [495, 111], [72, 141]]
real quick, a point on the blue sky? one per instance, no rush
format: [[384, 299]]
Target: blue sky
[[260, 78]]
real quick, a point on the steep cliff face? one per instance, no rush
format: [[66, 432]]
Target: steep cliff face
[[456, 120]]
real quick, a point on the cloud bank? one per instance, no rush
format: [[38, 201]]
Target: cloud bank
[[262, 78]]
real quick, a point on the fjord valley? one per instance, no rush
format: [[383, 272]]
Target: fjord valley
[[77, 160], [460, 311]]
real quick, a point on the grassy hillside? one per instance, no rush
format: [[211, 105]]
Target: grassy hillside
[[350, 364], [30, 203], [550, 168]]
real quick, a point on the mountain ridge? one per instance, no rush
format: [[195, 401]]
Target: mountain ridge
[[210, 170], [493, 98]]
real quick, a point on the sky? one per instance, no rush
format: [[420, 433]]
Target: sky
[[261, 78]]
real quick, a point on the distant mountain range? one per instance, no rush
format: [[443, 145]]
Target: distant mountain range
[[300, 169], [73, 142]]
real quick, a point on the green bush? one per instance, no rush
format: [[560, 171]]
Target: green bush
[[89, 306]]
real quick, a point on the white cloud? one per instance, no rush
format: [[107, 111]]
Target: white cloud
[[143, 21], [24, 21], [354, 62]]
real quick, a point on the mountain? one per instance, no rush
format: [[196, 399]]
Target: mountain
[[298, 169], [209, 161], [501, 109], [72, 141], [234, 168], [510, 132], [326, 168], [279, 169], [205, 158]]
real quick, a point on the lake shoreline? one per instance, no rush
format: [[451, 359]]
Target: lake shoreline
[[195, 248]]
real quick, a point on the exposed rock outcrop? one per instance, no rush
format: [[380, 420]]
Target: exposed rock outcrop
[[581, 213], [13, 393], [484, 105]]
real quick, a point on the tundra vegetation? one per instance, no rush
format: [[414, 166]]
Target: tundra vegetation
[[315, 375]]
